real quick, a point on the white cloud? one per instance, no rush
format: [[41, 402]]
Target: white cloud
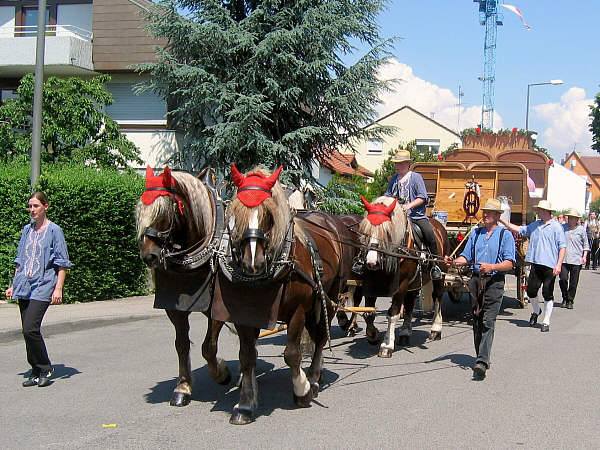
[[566, 123], [427, 98]]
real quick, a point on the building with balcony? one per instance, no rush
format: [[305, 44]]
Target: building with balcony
[[85, 38]]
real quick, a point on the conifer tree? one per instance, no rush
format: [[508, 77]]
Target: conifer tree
[[264, 82], [595, 123]]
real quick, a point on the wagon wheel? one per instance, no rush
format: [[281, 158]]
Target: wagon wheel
[[471, 203], [521, 286]]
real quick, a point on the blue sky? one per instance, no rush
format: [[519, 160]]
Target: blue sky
[[441, 47]]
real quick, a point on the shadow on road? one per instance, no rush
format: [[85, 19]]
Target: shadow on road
[[61, 372]]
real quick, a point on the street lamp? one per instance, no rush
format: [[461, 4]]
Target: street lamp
[[536, 84]]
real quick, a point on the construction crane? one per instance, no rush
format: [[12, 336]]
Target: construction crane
[[489, 17]]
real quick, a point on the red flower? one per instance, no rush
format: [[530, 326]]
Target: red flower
[[460, 237], [514, 129], [478, 130], [550, 161], [439, 156]]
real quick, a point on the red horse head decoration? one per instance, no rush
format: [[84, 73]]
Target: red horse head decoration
[[253, 188], [159, 185], [378, 213]]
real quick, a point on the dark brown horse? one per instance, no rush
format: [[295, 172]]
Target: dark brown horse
[[177, 220], [295, 265], [387, 232]]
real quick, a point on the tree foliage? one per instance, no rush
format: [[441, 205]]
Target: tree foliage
[[595, 123], [342, 195], [74, 126], [263, 81]]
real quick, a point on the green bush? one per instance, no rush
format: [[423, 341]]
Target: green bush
[[95, 209]]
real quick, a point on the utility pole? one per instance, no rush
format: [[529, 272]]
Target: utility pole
[[460, 96], [36, 132]]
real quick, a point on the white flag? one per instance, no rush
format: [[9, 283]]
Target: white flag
[[517, 12]]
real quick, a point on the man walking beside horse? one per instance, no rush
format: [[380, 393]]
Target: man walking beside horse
[[491, 250]]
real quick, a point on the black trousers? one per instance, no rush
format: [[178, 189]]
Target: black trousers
[[32, 313], [485, 323], [593, 255], [428, 234], [541, 276], [568, 280]]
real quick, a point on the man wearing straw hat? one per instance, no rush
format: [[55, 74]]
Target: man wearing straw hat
[[491, 250], [409, 188], [577, 250], [546, 252]]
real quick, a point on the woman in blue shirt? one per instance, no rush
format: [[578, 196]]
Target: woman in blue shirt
[[42, 261]]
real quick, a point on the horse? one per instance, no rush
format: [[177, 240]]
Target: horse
[[295, 264], [393, 268], [177, 221]]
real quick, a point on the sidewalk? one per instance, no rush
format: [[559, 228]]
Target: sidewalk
[[80, 316]]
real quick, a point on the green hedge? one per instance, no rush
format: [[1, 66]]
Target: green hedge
[[95, 209]]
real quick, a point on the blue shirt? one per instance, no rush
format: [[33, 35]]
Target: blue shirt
[[545, 241], [409, 191], [489, 250], [577, 243], [39, 256]]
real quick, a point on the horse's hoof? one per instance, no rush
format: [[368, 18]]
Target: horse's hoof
[[226, 379], [241, 417], [373, 339], [314, 389], [304, 402], [385, 353], [352, 332], [180, 399], [435, 336]]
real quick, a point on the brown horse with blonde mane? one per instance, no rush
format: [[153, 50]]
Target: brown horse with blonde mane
[[393, 268], [280, 267], [177, 221]]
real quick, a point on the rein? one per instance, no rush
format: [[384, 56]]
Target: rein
[[431, 257]]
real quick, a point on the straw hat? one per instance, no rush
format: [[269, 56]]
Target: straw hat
[[493, 204], [573, 213], [544, 204], [401, 156]]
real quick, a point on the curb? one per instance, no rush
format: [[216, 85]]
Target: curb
[[78, 325]]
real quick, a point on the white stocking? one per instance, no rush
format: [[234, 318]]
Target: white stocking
[[548, 311], [535, 305]]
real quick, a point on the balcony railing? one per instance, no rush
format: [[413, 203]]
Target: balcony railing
[[51, 30]]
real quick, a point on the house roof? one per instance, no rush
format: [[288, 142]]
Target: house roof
[[589, 165], [592, 163], [344, 164], [416, 112]]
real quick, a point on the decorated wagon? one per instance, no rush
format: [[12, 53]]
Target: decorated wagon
[[487, 166]]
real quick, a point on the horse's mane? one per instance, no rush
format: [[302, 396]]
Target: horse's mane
[[189, 188], [275, 208], [390, 234]]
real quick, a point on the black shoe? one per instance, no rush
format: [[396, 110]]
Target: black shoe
[[533, 319], [32, 381], [545, 328], [45, 379], [479, 369], [570, 305]]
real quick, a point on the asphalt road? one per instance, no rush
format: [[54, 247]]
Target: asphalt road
[[541, 391]]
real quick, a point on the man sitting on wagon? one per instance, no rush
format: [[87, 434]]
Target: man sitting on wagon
[[491, 250], [409, 188]]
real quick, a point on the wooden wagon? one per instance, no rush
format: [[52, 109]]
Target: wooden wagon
[[488, 166]]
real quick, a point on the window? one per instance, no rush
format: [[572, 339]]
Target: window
[[374, 147], [428, 145], [30, 21]]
